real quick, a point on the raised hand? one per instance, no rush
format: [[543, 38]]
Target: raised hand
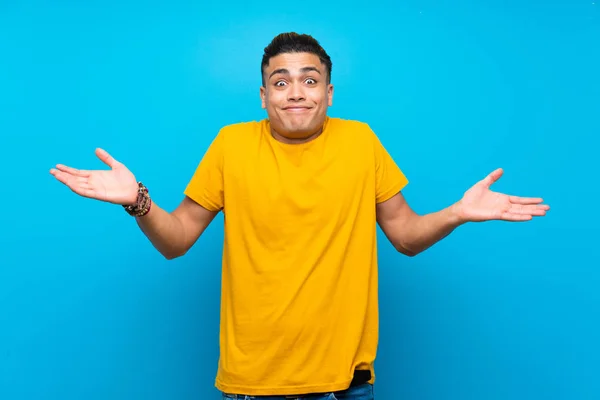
[[117, 185], [479, 203]]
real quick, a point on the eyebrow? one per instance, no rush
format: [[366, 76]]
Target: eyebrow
[[287, 72]]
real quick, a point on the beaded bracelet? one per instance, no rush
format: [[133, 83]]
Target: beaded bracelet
[[143, 203]]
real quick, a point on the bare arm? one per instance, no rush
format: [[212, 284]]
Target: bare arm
[[173, 234], [411, 233]]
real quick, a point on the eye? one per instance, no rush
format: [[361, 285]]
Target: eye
[[280, 83], [311, 81]]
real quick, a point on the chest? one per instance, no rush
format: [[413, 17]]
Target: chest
[[302, 178], [297, 196]]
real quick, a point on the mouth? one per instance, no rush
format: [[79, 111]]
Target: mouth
[[296, 109]]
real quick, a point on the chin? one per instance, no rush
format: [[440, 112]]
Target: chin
[[298, 130], [297, 133], [296, 127]]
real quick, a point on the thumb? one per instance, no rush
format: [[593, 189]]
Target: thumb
[[106, 158], [492, 177]]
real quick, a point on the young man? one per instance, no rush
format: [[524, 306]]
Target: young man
[[302, 194]]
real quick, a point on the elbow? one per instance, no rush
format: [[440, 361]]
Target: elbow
[[405, 250], [172, 254], [409, 253]]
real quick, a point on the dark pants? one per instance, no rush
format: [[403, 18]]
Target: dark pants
[[359, 392]]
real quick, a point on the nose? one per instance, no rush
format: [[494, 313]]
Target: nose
[[295, 93]]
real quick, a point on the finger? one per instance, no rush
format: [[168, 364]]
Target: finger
[[537, 210], [513, 217], [77, 184], [106, 158], [493, 177], [60, 176], [533, 212], [525, 200], [68, 178], [72, 171]]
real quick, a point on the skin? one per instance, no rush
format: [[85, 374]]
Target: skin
[[412, 234], [296, 96], [172, 234]]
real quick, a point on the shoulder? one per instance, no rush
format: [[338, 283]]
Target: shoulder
[[244, 126], [345, 123], [240, 130], [357, 131], [239, 134]]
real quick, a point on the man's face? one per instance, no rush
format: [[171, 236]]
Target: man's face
[[296, 94]]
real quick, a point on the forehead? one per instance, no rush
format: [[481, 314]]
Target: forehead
[[293, 62]]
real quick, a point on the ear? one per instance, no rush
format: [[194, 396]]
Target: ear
[[263, 93], [330, 95]]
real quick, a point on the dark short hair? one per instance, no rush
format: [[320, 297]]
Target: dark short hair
[[292, 42]]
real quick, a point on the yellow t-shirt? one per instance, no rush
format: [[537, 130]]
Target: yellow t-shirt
[[299, 308]]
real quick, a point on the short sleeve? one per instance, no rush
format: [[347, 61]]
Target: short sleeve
[[206, 185], [390, 179]]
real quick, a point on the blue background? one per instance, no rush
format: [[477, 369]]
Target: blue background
[[454, 89]]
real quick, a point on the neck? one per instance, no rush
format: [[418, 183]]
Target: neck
[[296, 140]]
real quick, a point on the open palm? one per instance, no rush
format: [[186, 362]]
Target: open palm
[[479, 203], [117, 185]]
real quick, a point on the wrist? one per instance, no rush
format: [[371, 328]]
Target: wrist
[[142, 204], [456, 215]]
